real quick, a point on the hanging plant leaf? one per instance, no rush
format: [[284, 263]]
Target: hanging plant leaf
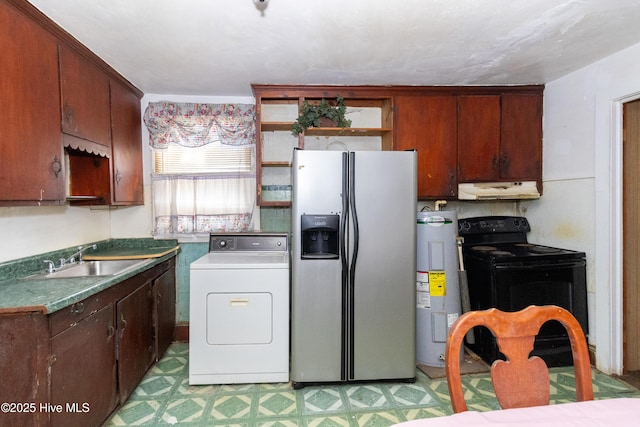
[[313, 115]]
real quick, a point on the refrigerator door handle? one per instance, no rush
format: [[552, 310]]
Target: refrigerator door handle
[[344, 217], [353, 263], [354, 216], [345, 266]]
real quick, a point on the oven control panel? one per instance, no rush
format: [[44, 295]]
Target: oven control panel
[[254, 242], [493, 224]]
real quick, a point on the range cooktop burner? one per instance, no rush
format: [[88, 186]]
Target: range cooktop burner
[[543, 249], [484, 248], [502, 253]]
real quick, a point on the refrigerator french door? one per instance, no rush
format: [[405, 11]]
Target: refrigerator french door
[[353, 266]]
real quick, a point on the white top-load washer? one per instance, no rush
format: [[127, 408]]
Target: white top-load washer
[[239, 310]]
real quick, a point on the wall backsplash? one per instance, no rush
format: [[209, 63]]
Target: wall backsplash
[[275, 219], [28, 231]]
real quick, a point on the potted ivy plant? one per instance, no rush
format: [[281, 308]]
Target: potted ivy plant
[[323, 114]]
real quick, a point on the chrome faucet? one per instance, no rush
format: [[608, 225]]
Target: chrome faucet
[[78, 254], [51, 266]]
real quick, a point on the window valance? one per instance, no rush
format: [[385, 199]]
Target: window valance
[[195, 125]]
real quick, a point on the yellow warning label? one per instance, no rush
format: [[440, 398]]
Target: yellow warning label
[[437, 283]]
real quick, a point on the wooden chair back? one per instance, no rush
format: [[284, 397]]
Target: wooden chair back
[[520, 381]]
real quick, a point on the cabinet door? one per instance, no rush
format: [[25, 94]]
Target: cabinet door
[[24, 367], [164, 289], [428, 124], [30, 141], [521, 139], [479, 138], [134, 315], [126, 147], [83, 371], [85, 98]]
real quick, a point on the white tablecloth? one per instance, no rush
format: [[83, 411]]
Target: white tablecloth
[[619, 412]]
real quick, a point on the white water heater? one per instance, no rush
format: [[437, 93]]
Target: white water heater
[[437, 288]]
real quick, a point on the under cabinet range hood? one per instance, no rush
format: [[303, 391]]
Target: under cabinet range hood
[[520, 190]]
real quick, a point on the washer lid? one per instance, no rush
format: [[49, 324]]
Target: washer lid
[[244, 260]]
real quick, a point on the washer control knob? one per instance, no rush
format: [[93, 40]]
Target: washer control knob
[[222, 244]]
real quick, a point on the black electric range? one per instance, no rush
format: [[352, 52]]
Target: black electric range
[[507, 272]]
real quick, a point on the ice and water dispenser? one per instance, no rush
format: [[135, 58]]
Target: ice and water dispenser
[[320, 236], [437, 288]]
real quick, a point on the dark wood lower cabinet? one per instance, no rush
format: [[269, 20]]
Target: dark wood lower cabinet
[[164, 289], [23, 359], [136, 347], [74, 367], [83, 371]]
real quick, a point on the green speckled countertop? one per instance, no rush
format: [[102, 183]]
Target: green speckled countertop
[[21, 293]]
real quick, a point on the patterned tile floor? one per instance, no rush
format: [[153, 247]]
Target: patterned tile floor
[[164, 398]]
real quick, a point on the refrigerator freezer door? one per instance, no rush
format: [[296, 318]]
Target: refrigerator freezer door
[[366, 329], [316, 291], [384, 286]]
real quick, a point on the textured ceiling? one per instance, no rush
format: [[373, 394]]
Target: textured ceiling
[[219, 47]]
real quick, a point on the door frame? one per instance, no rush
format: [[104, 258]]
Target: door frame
[[615, 307]]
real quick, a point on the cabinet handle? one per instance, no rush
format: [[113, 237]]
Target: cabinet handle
[[452, 182], [496, 163], [56, 166], [124, 324], [111, 331], [68, 114], [76, 309], [504, 166], [118, 176]]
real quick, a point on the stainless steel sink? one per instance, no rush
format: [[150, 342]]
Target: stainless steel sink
[[95, 268]]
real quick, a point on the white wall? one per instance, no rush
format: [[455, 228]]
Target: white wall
[[27, 231], [581, 206]]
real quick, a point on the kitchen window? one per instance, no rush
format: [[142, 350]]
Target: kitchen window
[[203, 177]]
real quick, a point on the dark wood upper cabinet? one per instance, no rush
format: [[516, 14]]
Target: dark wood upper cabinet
[[60, 113], [84, 90], [500, 138], [521, 137], [478, 138], [126, 146], [462, 133], [31, 156], [428, 124], [117, 179], [471, 134]]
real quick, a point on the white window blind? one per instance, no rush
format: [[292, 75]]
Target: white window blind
[[210, 158]]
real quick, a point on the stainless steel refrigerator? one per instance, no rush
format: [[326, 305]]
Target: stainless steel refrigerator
[[353, 249]]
